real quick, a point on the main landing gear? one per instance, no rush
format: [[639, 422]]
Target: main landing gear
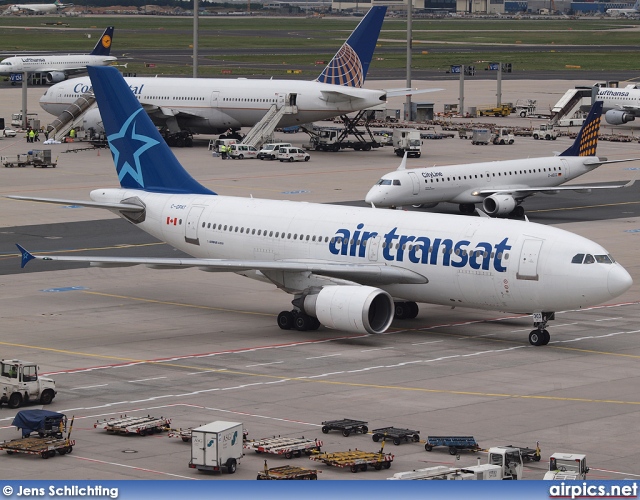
[[298, 320], [540, 336], [406, 310]]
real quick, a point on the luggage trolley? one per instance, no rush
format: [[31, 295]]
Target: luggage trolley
[[455, 443], [346, 425]]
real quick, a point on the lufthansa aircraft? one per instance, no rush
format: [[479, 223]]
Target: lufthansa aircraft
[[621, 105], [501, 186], [58, 68], [345, 266], [215, 105]]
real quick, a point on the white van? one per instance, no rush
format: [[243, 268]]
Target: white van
[[270, 151], [242, 151]]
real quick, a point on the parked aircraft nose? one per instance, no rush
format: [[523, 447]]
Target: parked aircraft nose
[[618, 281], [375, 196]]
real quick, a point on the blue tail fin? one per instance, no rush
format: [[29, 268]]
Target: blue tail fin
[[103, 47], [587, 140], [142, 158], [350, 64]]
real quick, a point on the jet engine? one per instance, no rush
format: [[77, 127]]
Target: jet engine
[[499, 204], [615, 117], [93, 120], [359, 309], [55, 76]]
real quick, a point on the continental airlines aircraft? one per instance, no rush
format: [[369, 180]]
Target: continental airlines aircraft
[[215, 105], [348, 268], [37, 8], [501, 186], [620, 105], [58, 68]]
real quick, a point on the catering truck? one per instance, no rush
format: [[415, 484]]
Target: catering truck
[[216, 446]]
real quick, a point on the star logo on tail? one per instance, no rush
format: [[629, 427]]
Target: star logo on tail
[[126, 147]]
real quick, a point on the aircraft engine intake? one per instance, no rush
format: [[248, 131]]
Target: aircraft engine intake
[[615, 117], [359, 309], [55, 76], [499, 204]]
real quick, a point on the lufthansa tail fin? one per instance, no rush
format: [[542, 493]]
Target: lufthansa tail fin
[[587, 140], [103, 47], [350, 64], [141, 156]]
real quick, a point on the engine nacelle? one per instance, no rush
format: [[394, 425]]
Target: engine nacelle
[[615, 117], [499, 204], [359, 309], [55, 76], [93, 120]]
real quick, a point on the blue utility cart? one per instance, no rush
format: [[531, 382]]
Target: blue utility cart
[[455, 443]]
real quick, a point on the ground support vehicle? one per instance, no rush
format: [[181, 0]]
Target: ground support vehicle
[[525, 107], [184, 434], [50, 435], [35, 158], [396, 435], [528, 454], [293, 154], [346, 425], [287, 472], [442, 472], [270, 151], [455, 443], [355, 460], [20, 383], [503, 136], [216, 446], [407, 141], [134, 425], [546, 132], [567, 466], [8, 132], [481, 136], [503, 110], [242, 151], [334, 139], [289, 447]]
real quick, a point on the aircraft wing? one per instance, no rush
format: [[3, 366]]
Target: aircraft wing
[[581, 188], [342, 94], [129, 207], [368, 274], [166, 112], [635, 110]]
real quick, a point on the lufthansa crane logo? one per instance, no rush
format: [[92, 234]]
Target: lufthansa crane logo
[[106, 41]]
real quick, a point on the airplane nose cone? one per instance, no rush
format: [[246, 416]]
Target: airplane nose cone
[[618, 281], [374, 196]]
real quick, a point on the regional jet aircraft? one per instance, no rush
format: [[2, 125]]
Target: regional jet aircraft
[[348, 268], [58, 68], [215, 105], [501, 186]]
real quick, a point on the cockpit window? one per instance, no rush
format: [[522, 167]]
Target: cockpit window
[[396, 182], [589, 259], [384, 182], [577, 259], [603, 259]]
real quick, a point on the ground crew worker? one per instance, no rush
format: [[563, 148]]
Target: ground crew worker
[[32, 135], [72, 133], [223, 151], [13, 371], [37, 136]]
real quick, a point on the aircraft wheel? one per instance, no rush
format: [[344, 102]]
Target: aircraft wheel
[[546, 337], [285, 320], [302, 322], [537, 337]]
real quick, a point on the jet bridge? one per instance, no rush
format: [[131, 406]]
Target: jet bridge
[[571, 102]]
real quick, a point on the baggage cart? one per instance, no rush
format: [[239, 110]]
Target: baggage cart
[[355, 460], [528, 454], [289, 447], [287, 472], [134, 425], [346, 425], [185, 434], [46, 444], [455, 443], [35, 158], [396, 435]]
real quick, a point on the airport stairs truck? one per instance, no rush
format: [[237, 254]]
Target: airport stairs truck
[[216, 447]]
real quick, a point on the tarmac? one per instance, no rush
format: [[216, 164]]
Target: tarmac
[[198, 347]]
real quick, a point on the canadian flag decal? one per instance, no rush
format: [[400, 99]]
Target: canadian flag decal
[[172, 221]]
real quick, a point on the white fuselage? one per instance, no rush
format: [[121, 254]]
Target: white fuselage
[[618, 98], [39, 8], [463, 183], [208, 104], [46, 64], [470, 262]]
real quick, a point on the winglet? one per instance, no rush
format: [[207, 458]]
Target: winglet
[[26, 256], [403, 163]]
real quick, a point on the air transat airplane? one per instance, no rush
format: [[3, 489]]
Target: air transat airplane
[[620, 105], [501, 186], [37, 8], [348, 268], [58, 68], [215, 105]]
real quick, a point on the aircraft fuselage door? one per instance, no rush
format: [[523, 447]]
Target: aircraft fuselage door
[[373, 244], [565, 167], [529, 256], [415, 182], [281, 100], [191, 228], [214, 99]]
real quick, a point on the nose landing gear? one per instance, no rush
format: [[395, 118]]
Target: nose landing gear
[[540, 336]]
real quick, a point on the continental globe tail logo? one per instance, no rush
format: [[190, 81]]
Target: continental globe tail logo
[[344, 69], [106, 41]]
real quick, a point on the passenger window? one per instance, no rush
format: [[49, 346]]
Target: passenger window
[[589, 259], [577, 259]]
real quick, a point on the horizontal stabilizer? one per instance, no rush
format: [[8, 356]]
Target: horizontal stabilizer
[[129, 207], [407, 91]]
